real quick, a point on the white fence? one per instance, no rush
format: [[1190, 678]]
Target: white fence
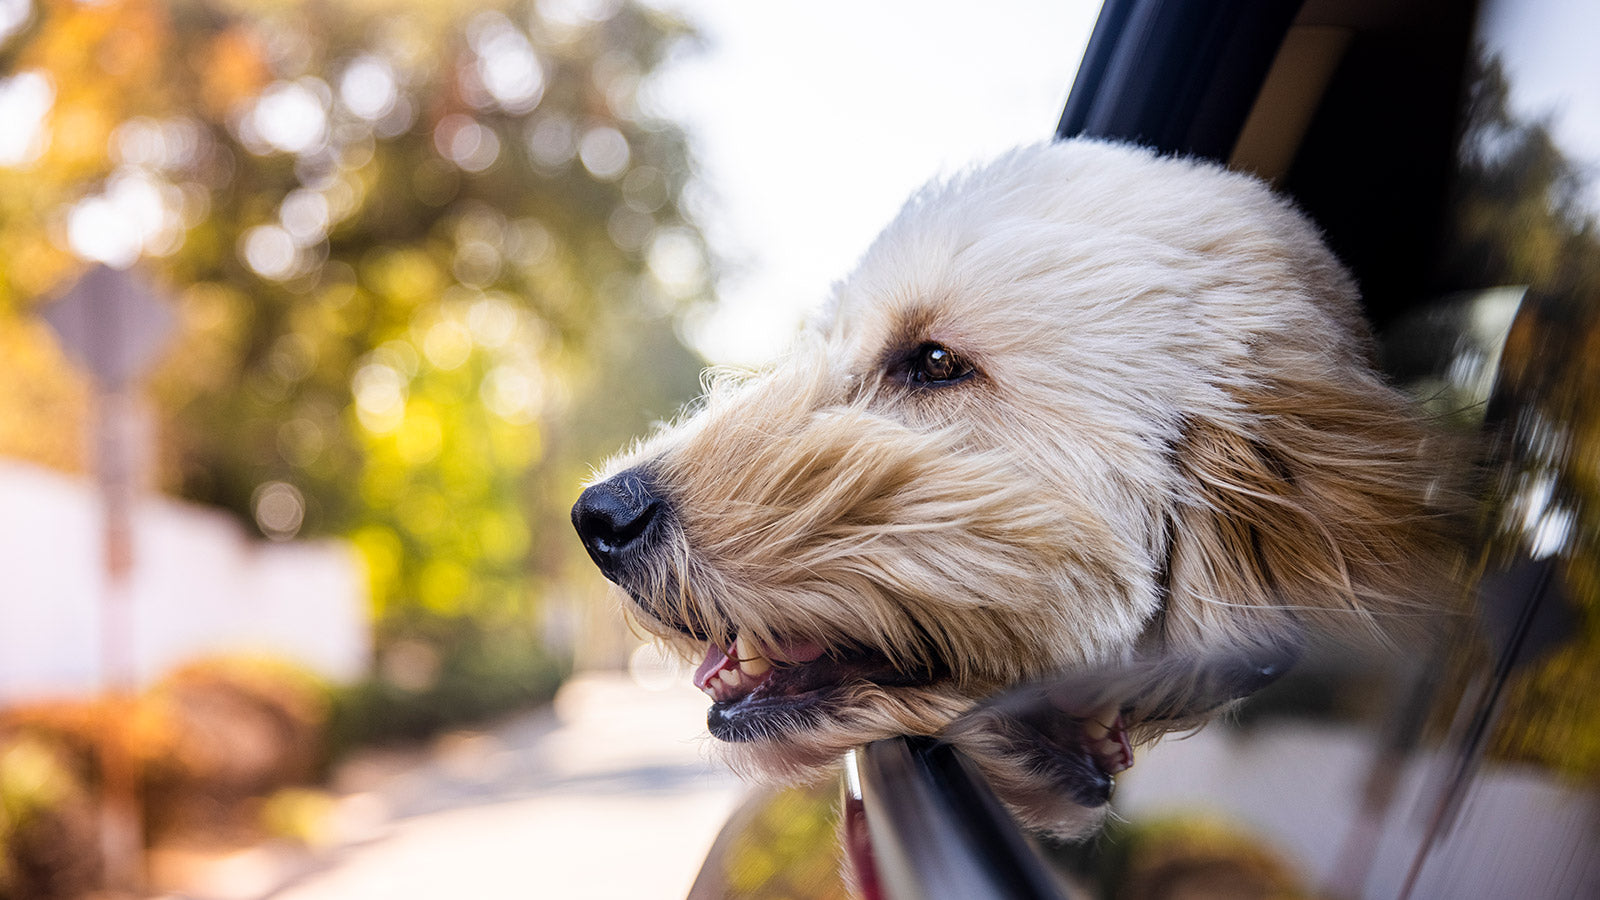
[[200, 586]]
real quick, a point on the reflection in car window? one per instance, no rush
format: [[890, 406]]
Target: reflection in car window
[[1524, 211]]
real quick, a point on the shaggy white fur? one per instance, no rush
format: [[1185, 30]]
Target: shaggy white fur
[[1079, 405]]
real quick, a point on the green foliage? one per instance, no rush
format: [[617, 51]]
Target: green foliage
[[202, 744], [33, 781], [42, 824], [429, 261]]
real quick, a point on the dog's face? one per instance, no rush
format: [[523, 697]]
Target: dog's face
[[1082, 404]]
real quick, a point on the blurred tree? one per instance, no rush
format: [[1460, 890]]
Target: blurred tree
[[415, 246], [1523, 213]]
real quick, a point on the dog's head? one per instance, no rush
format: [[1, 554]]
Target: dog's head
[[1081, 404]]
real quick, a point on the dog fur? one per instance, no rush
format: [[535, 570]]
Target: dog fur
[[1172, 441]]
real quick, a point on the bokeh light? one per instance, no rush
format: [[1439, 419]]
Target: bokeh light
[[270, 252], [280, 510], [604, 152], [468, 143], [25, 99], [14, 16], [290, 117], [368, 87], [551, 140], [506, 66]]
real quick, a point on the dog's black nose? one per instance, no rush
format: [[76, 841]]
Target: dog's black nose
[[617, 519]]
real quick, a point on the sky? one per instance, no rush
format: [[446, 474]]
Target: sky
[[1547, 47], [813, 121]]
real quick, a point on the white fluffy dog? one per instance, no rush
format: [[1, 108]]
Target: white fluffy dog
[[1081, 405]]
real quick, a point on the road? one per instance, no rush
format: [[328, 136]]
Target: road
[[612, 793]]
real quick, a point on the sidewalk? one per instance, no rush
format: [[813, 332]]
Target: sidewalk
[[612, 794]]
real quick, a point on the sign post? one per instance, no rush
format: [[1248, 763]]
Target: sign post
[[113, 326]]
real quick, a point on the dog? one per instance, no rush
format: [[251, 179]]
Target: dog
[[1083, 407]]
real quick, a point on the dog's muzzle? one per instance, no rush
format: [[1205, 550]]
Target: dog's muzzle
[[619, 520]]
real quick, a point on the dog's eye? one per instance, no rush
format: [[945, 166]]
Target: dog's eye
[[936, 364]]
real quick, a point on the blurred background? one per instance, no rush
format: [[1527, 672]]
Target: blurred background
[[313, 318]]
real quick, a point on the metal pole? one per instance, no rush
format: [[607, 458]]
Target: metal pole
[[121, 826]]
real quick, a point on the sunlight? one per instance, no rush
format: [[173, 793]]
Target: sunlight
[[506, 65], [290, 116], [367, 87], [604, 152], [467, 143], [25, 100]]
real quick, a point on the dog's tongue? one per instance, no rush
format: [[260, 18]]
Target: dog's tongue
[[717, 660], [723, 659]]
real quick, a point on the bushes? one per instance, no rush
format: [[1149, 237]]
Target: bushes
[[48, 838], [216, 738], [206, 740], [232, 730]]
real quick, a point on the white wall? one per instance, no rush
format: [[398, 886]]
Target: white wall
[[199, 586]]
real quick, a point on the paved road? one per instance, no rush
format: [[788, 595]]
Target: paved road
[[611, 794]]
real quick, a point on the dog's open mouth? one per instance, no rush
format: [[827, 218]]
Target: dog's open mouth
[[762, 693], [758, 693]]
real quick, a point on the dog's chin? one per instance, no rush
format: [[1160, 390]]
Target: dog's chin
[[784, 699], [797, 726]]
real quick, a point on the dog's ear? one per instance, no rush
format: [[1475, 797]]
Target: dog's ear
[[1316, 503]]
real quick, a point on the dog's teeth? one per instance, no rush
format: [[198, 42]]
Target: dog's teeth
[[751, 660]]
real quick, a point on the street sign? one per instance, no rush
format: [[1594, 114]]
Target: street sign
[[112, 325]]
